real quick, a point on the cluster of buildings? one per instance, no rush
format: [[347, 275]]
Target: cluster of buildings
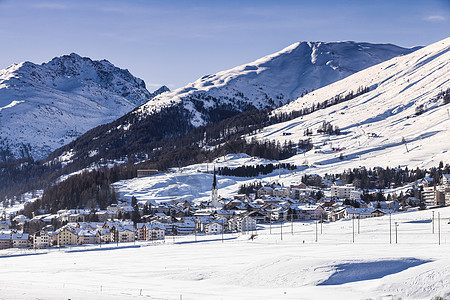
[[81, 233], [270, 204], [438, 195]]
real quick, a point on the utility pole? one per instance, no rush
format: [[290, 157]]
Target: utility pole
[[292, 224], [439, 227], [321, 223], [173, 233], [223, 228], [316, 233], [195, 230], [270, 220], [432, 223], [353, 226], [390, 228], [396, 226], [281, 229], [359, 218]]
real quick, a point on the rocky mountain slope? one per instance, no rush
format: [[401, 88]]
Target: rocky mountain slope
[[43, 107]]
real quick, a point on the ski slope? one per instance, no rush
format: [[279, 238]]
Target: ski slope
[[272, 266], [378, 128]]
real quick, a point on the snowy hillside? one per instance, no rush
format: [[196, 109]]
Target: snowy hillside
[[373, 127], [402, 120], [276, 78], [43, 107]]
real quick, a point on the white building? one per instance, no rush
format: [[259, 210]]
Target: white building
[[213, 228], [356, 195], [342, 192], [242, 224], [41, 240], [20, 240], [429, 195]]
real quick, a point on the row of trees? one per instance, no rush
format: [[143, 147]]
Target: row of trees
[[254, 171], [282, 117]]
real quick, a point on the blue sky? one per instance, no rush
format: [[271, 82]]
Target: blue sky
[[175, 42]]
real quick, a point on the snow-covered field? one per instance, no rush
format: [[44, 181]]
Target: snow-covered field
[[272, 266], [192, 183]]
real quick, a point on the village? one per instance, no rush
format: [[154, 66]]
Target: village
[[271, 204]]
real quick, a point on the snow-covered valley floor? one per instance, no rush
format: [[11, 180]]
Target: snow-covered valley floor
[[268, 267]]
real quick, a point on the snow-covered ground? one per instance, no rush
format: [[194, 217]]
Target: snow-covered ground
[[193, 183], [272, 266], [18, 204]]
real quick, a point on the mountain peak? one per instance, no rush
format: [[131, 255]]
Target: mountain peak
[[275, 79], [64, 97]]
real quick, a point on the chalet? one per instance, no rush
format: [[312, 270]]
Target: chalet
[[213, 227], [309, 212], [106, 236], [299, 194], [264, 191], [5, 241], [20, 240], [123, 233], [358, 213], [157, 232], [5, 224], [427, 181], [65, 236], [181, 228], [377, 213], [280, 192], [297, 185], [336, 214], [259, 216], [88, 225], [150, 232], [88, 236], [41, 240]]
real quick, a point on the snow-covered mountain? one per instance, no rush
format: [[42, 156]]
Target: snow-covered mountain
[[402, 120], [43, 107], [274, 79]]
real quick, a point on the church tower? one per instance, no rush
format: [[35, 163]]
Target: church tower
[[214, 195]]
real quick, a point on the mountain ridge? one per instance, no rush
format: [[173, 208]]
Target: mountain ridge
[[64, 98]]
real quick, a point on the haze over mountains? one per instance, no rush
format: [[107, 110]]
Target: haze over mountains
[[43, 107]]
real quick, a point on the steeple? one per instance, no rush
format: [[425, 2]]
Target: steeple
[[214, 185], [214, 195]]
